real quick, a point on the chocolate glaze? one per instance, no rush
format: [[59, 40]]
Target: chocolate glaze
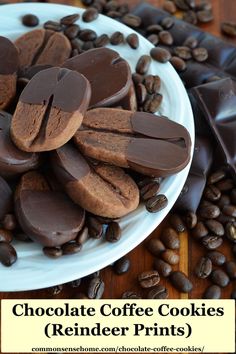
[[9, 59], [5, 199]]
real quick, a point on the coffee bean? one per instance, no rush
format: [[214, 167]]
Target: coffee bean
[[203, 268], [88, 45], [146, 180], [181, 282], [233, 196], [225, 185], [167, 22], [71, 248], [131, 20], [163, 268], [190, 42], [77, 44], [131, 295], [95, 228], [205, 16], [170, 238], [30, 20], [149, 278], [69, 20], [152, 84], [200, 54], [181, 4], [96, 288], [220, 278], [137, 78], [159, 292], [229, 210], [177, 223], [224, 200], [90, 15], [111, 5], [165, 38], [217, 258], [5, 236], [212, 193], [191, 219], [160, 54], [212, 242], [72, 31], [230, 268], [87, 35], [75, 283], [157, 203], [212, 292], [122, 265], [102, 41], [81, 296], [133, 40], [8, 254], [183, 52], [230, 231], [53, 26], [154, 29], [55, 290], [170, 257], [228, 28], [87, 2], [209, 211], [143, 64], [199, 231], [152, 103], [190, 17], [150, 190], [97, 5], [224, 219], [117, 38], [169, 6], [113, 232], [155, 246], [215, 226], [216, 176], [141, 94], [178, 63], [52, 252], [82, 236], [153, 38]]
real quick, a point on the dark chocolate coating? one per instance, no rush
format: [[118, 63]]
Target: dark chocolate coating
[[5, 198], [9, 59], [13, 161]]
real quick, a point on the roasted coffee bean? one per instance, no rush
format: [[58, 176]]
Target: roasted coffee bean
[[111, 5], [230, 231], [141, 94], [87, 35], [143, 64], [82, 236], [113, 232], [205, 16], [87, 2], [165, 38], [191, 219], [228, 28], [150, 190], [233, 196], [190, 42], [205, 203], [8, 254], [181, 4], [5, 236], [215, 226], [163, 268], [212, 292], [137, 78], [133, 40], [117, 38], [170, 238], [122, 265], [154, 29], [209, 211], [203, 268], [167, 22], [220, 278], [177, 223], [169, 6], [224, 200], [131, 20], [225, 185], [200, 54], [88, 45], [52, 252], [55, 290], [230, 268], [81, 296], [72, 31], [159, 292], [212, 193], [212, 242], [190, 17], [114, 14], [152, 83], [30, 20], [157, 203], [124, 8], [183, 52], [95, 228], [77, 44], [131, 295], [170, 257], [160, 54], [9, 222], [224, 219], [53, 26], [181, 282], [75, 283], [229, 210], [149, 278], [98, 5], [155, 246], [199, 231], [153, 38], [69, 20], [216, 176], [217, 258], [152, 103], [90, 15], [146, 180], [102, 41], [96, 288], [71, 248], [178, 63]]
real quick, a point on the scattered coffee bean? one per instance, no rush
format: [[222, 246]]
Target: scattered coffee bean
[[71, 248], [8, 254], [169, 6], [157, 203], [224, 200], [52, 252], [143, 64], [181, 282], [200, 54], [149, 279], [87, 2], [199, 231], [137, 78], [159, 292], [224, 219], [215, 226], [225, 185], [117, 38], [230, 268], [30, 20], [181, 4], [167, 22], [177, 223], [229, 210], [190, 42], [216, 176], [133, 40], [122, 265], [72, 31], [95, 228], [190, 17], [87, 35], [212, 193], [88, 45], [153, 38], [113, 232], [69, 20], [152, 103], [82, 236], [178, 63], [170, 257], [141, 94], [170, 238], [96, 288], [160, 54], [217, 258], [6, 236], [102, 41], [205, 16], [212, 242], [153, 85], [212, 292], [55, 290], [114, 14], [155, 246], [209, 211], [154, 29], [183, 52], [165, 38], [53, 26], [77, 44], [228, 28], [111, 5], [191, 219], [163, 268], [220, 278], [203, 268], [230, 231], [75, 283], [131, 295], [90, 15], [131, 20], [151, 189]]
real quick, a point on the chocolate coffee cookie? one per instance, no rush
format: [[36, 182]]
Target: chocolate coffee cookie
[[151, 145], [108, 74], [47, 217], [99, 188], [5, 198], [9, 62], [12, 160], [50, 110], [43, 47]]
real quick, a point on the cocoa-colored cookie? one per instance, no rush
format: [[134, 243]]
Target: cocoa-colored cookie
[[9, 62], [108, 74], [5, 198], [99, 188], [43, 47], [47, 217], [12, 160], [50, 110], [151, 145]]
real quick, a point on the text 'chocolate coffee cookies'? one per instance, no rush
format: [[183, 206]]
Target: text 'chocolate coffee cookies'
[[47, 217], [99, 188], [9, 62], [43, 47], [12, 160], [50, 110], [108, 74], [149, 144]]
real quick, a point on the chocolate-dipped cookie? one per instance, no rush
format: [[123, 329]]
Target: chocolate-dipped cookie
[[5, 198], [43, 47], [9, 62], [108, 74], [151, 145], [12, 160], [99, 188], [47, 217], [50, 109]]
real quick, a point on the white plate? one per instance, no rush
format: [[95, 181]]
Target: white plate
[[33, 270]]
